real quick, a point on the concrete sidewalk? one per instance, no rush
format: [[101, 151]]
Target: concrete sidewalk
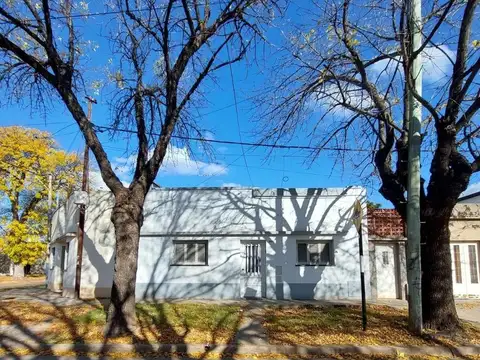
[[232, 349]]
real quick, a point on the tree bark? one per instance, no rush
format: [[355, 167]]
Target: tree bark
[[127, 217], [439, 312]]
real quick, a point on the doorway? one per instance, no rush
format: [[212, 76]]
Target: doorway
[[465, 269], [253, 269]]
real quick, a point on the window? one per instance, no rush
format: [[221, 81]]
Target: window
[[67, 249], [313, 253], [385, 257], [472, 256], [190, 253], [253, 258], [52, 256], [458, 265]]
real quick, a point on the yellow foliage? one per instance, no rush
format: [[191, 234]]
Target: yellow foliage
[[27, 158]]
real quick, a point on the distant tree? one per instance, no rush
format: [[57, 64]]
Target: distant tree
[[344, 77], [372, 206], [27, 158], [162, 52]]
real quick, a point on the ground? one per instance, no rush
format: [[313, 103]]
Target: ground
[[7, 282], [43, 322]]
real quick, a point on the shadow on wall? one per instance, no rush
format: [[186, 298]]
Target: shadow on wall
[[224, 217], [302, 281]]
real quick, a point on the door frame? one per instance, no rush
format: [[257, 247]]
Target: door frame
[[263, 265], [465, 270], [397, 271]]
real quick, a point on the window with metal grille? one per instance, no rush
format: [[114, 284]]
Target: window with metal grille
[[313, 253], [472, 255], [190, 253], [253, 258], [458, 265], [385, 257]]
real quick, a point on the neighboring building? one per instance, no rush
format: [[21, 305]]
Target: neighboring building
[[5, 265], [387, 251], [220, 243], [473, 198]]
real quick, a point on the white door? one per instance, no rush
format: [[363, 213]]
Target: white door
[[252, 269], [385, 265], [465, 269]]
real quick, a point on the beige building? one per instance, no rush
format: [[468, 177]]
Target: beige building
[[387, 250]]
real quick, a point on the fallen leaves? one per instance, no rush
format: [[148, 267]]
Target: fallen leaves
[[157, 323], [327, 325]]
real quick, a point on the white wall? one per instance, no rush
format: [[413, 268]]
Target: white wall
[[54, 275], [69, 273], [64, 220], [224, 217]]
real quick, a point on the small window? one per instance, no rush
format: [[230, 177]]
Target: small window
[[67, 249], [313, 253], [472, 255], [52, 257], [458, 266], [385, 258], [190, 253]]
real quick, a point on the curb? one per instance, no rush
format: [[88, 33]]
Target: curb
[[301, 350]]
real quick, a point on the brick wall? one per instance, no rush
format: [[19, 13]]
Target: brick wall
[[385, 223]]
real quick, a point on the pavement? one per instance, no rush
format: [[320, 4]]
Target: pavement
[[7, 282]]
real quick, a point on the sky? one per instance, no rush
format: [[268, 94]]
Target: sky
[[227, 165]]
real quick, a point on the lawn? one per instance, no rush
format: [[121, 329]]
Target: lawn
[[164, 323], [327, 325]]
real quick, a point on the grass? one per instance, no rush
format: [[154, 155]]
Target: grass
[[313, 325], [163, 323], [29, 313]]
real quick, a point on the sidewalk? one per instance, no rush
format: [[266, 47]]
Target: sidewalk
[[239, 349]]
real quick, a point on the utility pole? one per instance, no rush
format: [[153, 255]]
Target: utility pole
[[414, 271], [81, 220]]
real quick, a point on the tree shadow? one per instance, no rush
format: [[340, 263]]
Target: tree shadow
[[38, 325]]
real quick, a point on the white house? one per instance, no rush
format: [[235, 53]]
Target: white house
[[220, 243], [387, 244]]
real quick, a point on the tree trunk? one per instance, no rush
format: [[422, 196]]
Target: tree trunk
[[18, 271], [439, 312], [127, 217]]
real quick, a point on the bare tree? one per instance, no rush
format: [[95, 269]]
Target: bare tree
[[346, 72], [162, 52]]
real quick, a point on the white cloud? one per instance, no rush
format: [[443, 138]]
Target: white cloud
[[334, 94], [177, 162], [436, 64], [232, 184], [208, 135], [97, 183]]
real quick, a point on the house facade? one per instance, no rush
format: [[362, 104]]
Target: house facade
[[220, 243], [387, 249]]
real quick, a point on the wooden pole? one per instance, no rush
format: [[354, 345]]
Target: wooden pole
[[81, 220]]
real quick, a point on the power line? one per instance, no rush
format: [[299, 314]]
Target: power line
[[102, 128], [236, 113]]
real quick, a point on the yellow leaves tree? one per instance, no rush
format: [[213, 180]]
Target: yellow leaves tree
[[27, 158]]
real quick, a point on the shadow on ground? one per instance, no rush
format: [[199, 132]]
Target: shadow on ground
[[38, 320]]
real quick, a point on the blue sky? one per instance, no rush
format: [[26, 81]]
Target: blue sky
[[227, 166]]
